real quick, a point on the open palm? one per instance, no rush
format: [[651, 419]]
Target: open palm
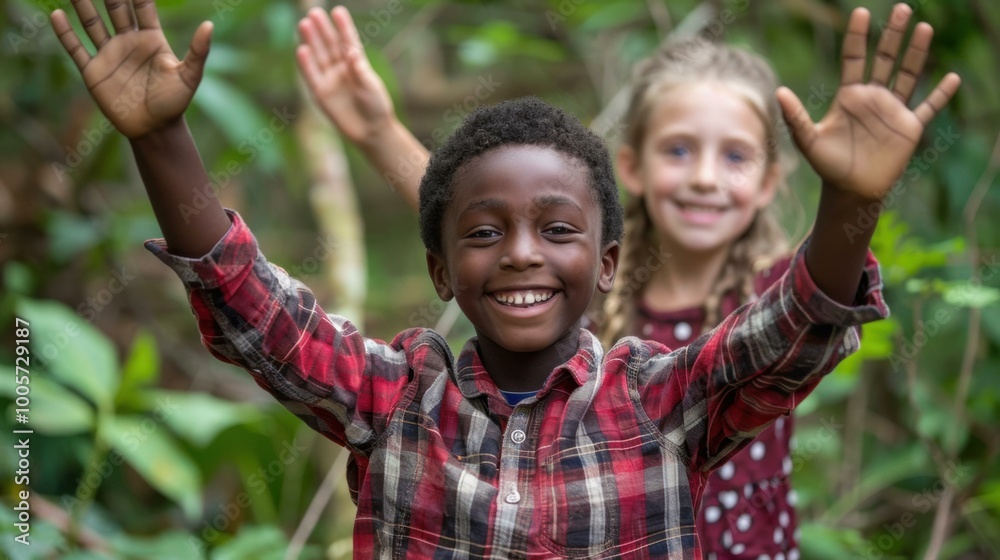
[[864, 142], [135, 78], [339, 75]]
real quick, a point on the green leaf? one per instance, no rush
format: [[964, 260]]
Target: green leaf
[[142, 366], [198, 417], [71, 350], [53, 409], [254, 543], [17, 277], [71, 234], [144, 443], [965, 294], [167, 546], [243, 124]]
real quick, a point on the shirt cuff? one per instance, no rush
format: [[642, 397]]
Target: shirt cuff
[[869, 302], [228, 259]]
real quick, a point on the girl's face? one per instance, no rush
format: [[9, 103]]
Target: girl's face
[[522, 246], [702, 167]]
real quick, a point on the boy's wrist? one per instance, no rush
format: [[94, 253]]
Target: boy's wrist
[[156, 139]]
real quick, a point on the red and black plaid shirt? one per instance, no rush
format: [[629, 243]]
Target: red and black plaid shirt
[[605, 461]]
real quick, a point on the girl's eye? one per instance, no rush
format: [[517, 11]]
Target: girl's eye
[[736, 157], [677, 151]]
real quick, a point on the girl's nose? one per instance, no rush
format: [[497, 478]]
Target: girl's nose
[[706, 176]]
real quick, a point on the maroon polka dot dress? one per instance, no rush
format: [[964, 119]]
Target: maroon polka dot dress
[[748, 507]]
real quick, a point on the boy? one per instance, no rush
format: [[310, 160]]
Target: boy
[[534, 443]]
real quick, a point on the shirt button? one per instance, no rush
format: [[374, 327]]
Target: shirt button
[[682, 331], [517, 436], [512, 498]]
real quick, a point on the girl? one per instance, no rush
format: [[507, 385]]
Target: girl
[[700, 163]]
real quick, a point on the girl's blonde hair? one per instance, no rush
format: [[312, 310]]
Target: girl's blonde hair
[[678, 63]]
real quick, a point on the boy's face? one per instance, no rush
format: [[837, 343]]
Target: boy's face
[[522, 246]]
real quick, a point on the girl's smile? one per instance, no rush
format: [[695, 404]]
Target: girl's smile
[[701, 170]]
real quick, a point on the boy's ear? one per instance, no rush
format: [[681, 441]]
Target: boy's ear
[[438, 270], [609, 266], [628, 170], [769, 185]]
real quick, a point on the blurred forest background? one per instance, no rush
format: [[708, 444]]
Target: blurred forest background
[[146, 447]]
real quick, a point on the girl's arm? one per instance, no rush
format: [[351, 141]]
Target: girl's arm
[[863, 143], [143, 90], [350, 93]]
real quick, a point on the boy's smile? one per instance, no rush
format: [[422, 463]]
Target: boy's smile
[[522, 246]]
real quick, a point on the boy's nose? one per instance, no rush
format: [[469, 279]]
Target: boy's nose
[[522, 252]]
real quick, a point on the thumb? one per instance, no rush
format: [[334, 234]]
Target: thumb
[[194, 61], [800, 124]]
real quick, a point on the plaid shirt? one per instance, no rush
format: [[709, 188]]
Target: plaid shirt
[[606, 460]]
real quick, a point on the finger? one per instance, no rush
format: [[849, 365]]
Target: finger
[[797, 118], [307, 65], [351, 40], [121, 15], [327, 33], [913, 62], [92, 22], [311, 35], [938, 98], [193, 64], [855, 48], [70, 41], [888, 45], [145, 14]]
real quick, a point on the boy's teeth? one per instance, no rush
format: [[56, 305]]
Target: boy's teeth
[[523, 298]]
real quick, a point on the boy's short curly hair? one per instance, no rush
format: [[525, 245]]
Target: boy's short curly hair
[[524, 121]]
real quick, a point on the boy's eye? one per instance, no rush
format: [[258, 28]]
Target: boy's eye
[[484, 234], [560, 229]]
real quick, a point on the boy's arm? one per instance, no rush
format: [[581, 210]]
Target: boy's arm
[[143, 90], [863, 144], [355, 99]]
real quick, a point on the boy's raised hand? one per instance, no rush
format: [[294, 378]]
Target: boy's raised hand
[[136, 79], [865, 140], [341, 79]]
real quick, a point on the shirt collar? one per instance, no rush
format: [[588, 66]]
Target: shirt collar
[[473, 380]]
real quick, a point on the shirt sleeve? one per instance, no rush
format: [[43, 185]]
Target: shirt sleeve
[[252, 314], [709, 399]]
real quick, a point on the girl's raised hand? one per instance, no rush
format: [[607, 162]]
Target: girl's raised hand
[[867, 137], [135, 78], [342, 81]]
